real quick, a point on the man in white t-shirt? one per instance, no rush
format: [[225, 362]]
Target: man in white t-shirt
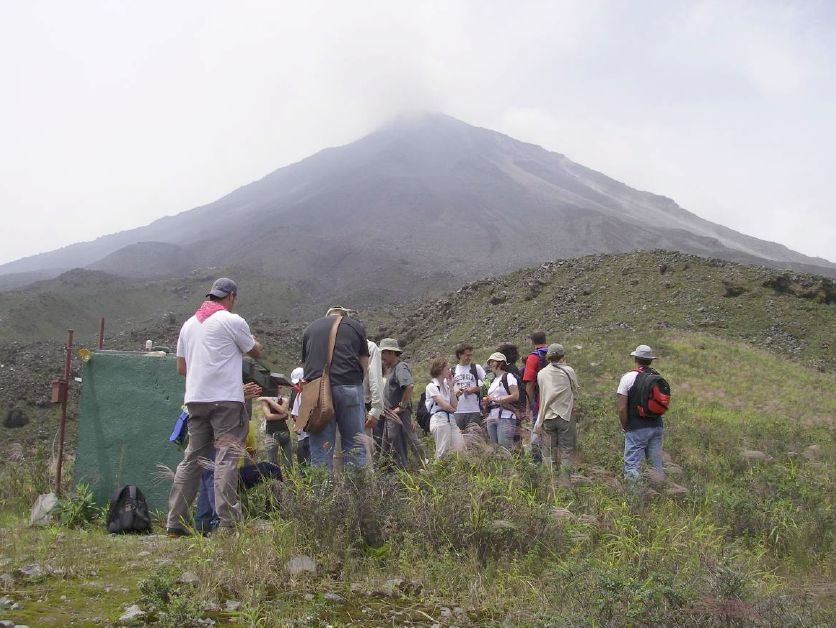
[[467, 379], [642, 435], [210, 353]]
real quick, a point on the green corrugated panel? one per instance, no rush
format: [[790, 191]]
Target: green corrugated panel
[[129, 402]]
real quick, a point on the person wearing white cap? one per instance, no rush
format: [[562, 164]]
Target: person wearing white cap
[[303, 445], [499, 403], [558, 386], [642, 435]]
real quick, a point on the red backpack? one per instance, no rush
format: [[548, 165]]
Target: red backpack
[[652, 394]]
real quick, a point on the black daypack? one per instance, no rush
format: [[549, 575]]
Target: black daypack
[[522, 402], [519, 404], [651, 394], [128, 512], [422, 415]]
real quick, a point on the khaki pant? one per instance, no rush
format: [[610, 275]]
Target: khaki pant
[[224, 425], [558, 442]]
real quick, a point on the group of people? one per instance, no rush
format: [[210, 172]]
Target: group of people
[[371, 391]]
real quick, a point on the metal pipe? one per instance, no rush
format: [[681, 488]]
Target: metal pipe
[[68, 348], [101, 334]]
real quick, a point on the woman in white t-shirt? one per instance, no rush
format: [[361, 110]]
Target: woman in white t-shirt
[[502, 393], [441, 405]]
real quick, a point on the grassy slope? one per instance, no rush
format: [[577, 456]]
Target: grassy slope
[[750, 542]]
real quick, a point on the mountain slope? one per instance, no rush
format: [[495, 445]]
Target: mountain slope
[[433, 198]]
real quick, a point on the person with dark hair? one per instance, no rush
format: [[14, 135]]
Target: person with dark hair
[[558, 386], [441, 404], [502, 394], [467, 380], [642, 435], [210, 352], [533, 363]]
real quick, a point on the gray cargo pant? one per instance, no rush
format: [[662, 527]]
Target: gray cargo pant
[[224, 425], [558, 442]]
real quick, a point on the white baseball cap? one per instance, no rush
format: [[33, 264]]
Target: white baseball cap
[[296, 375]]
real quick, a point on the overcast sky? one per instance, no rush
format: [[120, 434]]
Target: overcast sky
[[113, 114]]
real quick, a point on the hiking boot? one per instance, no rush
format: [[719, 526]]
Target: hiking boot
[[175, 533]]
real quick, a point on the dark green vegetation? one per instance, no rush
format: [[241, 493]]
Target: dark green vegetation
[[489, 539]]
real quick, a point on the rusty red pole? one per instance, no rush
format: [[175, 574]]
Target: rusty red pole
[[101, 333], [63, 424]]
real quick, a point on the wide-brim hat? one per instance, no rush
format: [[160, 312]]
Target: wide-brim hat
[[390, 344], [644, 352], [496, 356]]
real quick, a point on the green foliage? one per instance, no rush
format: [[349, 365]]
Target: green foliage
[[171, 603], [78, 509]]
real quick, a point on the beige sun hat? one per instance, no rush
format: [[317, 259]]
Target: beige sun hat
[[496, 356], [644, 352], [390, 344]]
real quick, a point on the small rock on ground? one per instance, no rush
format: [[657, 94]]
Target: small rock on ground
[[676, 489], [755, 456], [188, 577], [333, 597], [232, 606], [300, 564], [30, 571], [812, 451], [132, 614]]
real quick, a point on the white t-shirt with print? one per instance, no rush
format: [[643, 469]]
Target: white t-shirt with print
[[626, 383], [497, 390], [463, 378], [214, 352]]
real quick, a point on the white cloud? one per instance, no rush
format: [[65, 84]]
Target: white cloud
[[117, 113]]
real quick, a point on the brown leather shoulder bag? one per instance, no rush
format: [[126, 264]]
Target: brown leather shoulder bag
[[317, 407]]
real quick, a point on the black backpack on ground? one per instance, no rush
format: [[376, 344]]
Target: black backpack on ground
[[128, 512], [422, 415]]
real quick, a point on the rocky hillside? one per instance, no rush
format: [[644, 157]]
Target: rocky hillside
[[625, 299], [636, 295]]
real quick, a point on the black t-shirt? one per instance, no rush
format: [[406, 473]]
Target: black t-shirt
[[350, 346]]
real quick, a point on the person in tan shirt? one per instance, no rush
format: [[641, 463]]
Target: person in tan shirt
[[558, 385]]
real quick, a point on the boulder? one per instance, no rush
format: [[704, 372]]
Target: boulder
[[15, 418], [42, 509]]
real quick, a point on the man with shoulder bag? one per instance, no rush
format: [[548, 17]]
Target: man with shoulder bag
[[336, 357]]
